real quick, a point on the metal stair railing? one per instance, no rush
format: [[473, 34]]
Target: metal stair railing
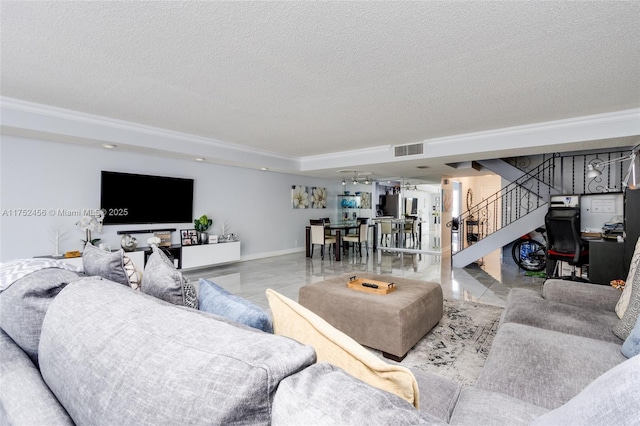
[[517, 199]]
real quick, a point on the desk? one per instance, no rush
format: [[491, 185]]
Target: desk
[[339, 228], [606, 261]]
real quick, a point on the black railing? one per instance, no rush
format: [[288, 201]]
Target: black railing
[[517, 199], [569, 174]]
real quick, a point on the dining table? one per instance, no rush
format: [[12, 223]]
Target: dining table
[[340, 228]]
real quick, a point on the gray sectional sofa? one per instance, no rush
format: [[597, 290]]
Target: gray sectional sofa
[[86, 350]]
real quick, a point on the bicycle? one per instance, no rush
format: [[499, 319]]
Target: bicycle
[[529, 254]]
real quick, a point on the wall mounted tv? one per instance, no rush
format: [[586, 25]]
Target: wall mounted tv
[[136, 199]]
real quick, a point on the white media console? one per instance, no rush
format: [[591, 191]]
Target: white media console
[[188, 257]]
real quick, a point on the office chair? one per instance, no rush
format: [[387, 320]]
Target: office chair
[[563, 240]]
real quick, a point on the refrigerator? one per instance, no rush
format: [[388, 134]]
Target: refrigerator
[[390, 205]]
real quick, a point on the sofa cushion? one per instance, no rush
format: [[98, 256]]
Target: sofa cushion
[[631, 346], [482, 407], [324, 394], [105, 264], [216, 300], [543, 367], [625, 297], [611, 399], [24, 304], [25, 399], [623, 328], [162, 280], [585, 295], [529, 308], [438, 394], [113, 356], [333, 346]]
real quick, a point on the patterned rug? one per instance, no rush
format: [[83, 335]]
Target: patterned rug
[[458, 346]]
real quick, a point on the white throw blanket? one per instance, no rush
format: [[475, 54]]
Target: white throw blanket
[[12, 271]]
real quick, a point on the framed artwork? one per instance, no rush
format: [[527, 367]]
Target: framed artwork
[[365, 200], [188, 237], [299, 197], [318, 198]]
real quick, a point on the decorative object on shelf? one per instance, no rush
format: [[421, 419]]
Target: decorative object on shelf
[[318, 198], [224, 228], [213, 239], [56, 235], [189, 237], [202, 226], [90, 223], [128, 243], [299, 197], [165, 238], [347, 192], [154, 241]]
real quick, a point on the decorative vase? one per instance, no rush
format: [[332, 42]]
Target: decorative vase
[[204, 237], [128, 243]]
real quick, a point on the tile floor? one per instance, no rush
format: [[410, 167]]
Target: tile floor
[[489, 283]]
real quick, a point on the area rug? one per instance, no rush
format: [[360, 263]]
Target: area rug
[[458, 346]]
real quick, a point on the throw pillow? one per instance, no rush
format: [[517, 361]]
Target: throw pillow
[[623, 302], [624, 326], [133, 275], [333, 346], [216, 300], [105, 264], [631, 346], [162, 280], [24, 305]]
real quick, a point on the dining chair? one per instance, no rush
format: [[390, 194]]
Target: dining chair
[[361, 237], [411, 228], [327, 221], [318, 237], [387, 230]]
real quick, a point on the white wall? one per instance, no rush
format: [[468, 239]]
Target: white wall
[[36, 174]]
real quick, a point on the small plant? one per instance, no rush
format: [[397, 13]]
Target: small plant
[[203, 224]]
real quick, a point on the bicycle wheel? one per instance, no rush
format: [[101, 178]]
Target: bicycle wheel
[[529, 255]]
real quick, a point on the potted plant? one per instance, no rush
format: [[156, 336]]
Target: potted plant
[[89, 223], [202, 225]]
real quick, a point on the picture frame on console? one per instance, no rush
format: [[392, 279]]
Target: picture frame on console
[[188, 237]]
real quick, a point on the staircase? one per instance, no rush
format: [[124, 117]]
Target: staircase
[[511, 212], [520, 207]]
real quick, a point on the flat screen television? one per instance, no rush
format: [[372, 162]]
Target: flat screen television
[[141, 199]]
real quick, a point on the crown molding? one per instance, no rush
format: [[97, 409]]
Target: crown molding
[[77, 126], [17, 113], [549, 136]]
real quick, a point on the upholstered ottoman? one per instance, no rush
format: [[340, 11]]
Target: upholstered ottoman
[[392, 323]]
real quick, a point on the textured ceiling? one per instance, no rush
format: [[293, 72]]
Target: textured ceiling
[[309, 78]]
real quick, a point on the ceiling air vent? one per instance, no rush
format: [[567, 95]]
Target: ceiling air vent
[[413, 149]]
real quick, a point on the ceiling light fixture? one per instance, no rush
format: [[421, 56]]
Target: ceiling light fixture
[[109, 145], [199, 159], [631, 179], [357, 176]]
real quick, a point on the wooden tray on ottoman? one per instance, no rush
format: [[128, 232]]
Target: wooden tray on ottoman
[[370, 286]]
